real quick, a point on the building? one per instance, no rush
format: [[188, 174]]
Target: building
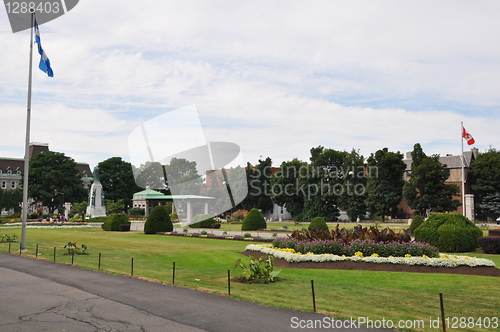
[[11, 169], [454, 165]]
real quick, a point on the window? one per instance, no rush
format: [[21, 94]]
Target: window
[[9, 171], [4, 184], [84, 174], [13, 185], [18, 171]]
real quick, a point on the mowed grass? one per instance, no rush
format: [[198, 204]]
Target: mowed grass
[[202, 264]]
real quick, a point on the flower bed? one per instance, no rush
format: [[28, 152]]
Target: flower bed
[[449, 261]]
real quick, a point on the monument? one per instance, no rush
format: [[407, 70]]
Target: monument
[[96, 206]]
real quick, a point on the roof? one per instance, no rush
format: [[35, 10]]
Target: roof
[[449, 161], [153, 194]]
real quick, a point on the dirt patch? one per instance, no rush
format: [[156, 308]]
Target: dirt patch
[[348, 265]]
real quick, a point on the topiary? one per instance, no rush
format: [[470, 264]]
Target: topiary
[[202, 221], [417, 221], [451, 232], [114, 221], [318, 223], [158, 221], [253, 221]]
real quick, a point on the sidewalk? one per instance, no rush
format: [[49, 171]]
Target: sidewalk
[[39, 296]]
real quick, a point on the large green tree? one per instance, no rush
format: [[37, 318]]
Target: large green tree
[[286, 185], [385, 181], [353, 198], [117, 180], [486, 177], [259, 186], [426, 189], [11, 199], [53, 172]]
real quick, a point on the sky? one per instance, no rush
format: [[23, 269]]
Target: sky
[[274, 77]]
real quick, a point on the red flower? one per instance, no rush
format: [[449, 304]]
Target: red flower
[[74, 242]]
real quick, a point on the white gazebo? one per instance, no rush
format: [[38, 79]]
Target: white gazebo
[[149, 198]]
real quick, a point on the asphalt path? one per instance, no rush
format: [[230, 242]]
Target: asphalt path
[[38, 295]]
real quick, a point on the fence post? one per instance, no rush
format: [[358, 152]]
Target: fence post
[[442, 311], [20, 248], [9, 246], [54, 254], [313, 295], [36, 251], [173, 274], [99, 264], [132, 267], [229, 282], [73, 258]]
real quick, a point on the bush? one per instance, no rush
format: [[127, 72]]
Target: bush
[[215, 226], [253, 221], [490, 244], [114, 221], [494, 232], [417, 221], [202, 221], [318, 223], [240, 215], [158, 221], [136, 212], [451, 232]]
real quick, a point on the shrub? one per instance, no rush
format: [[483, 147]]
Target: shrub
[[216, 226], [114, 221], [158, 221], [253, 221], [202, 221], [490, 244], [449, 232], [240, 215], [136, 212], [258, 271], [494, 232], [318, 223], [417, 221]]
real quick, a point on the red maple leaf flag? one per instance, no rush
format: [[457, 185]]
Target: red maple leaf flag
[[468, 137]]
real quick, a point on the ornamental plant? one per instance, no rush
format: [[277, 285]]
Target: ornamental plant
[[158, 221], [253, 221], [318, 223], [73, 249], [450, 232], [258, 270]]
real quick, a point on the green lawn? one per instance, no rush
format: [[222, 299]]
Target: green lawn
[[202, 264]]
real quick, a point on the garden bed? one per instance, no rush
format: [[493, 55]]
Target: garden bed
[[351, 265]]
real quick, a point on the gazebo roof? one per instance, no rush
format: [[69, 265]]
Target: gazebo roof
[[151, 194]]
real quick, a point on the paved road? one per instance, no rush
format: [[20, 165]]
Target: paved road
[[38, 296]]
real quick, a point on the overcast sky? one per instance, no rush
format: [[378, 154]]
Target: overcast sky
[[275, 77]]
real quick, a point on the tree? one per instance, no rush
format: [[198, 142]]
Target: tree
[[426, 189], [259, 186], [485, 170], [118, 181], [353, 198], [385, 181], [324, 184], [113, 207], [182, 177], [158, 221], [491, 204], [285, 187], [52, 173], [11, 199], [80, 208]]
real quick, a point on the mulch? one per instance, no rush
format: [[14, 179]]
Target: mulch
[[348, 265]]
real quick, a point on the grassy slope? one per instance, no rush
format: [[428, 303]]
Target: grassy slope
[[203, 263]]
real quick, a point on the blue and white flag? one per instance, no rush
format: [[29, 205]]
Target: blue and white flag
[[44, 60]]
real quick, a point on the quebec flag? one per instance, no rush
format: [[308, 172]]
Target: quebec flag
[[44, 60]]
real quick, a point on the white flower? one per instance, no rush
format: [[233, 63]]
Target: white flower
[[442, 261]]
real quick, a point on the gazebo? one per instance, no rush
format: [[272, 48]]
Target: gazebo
[[149, 198]]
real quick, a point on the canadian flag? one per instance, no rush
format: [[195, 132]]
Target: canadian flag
[[468, 137]]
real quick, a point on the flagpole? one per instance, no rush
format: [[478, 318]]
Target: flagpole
[[27, 143], [463, 168]]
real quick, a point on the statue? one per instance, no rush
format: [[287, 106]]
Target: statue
[[96, 206]]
